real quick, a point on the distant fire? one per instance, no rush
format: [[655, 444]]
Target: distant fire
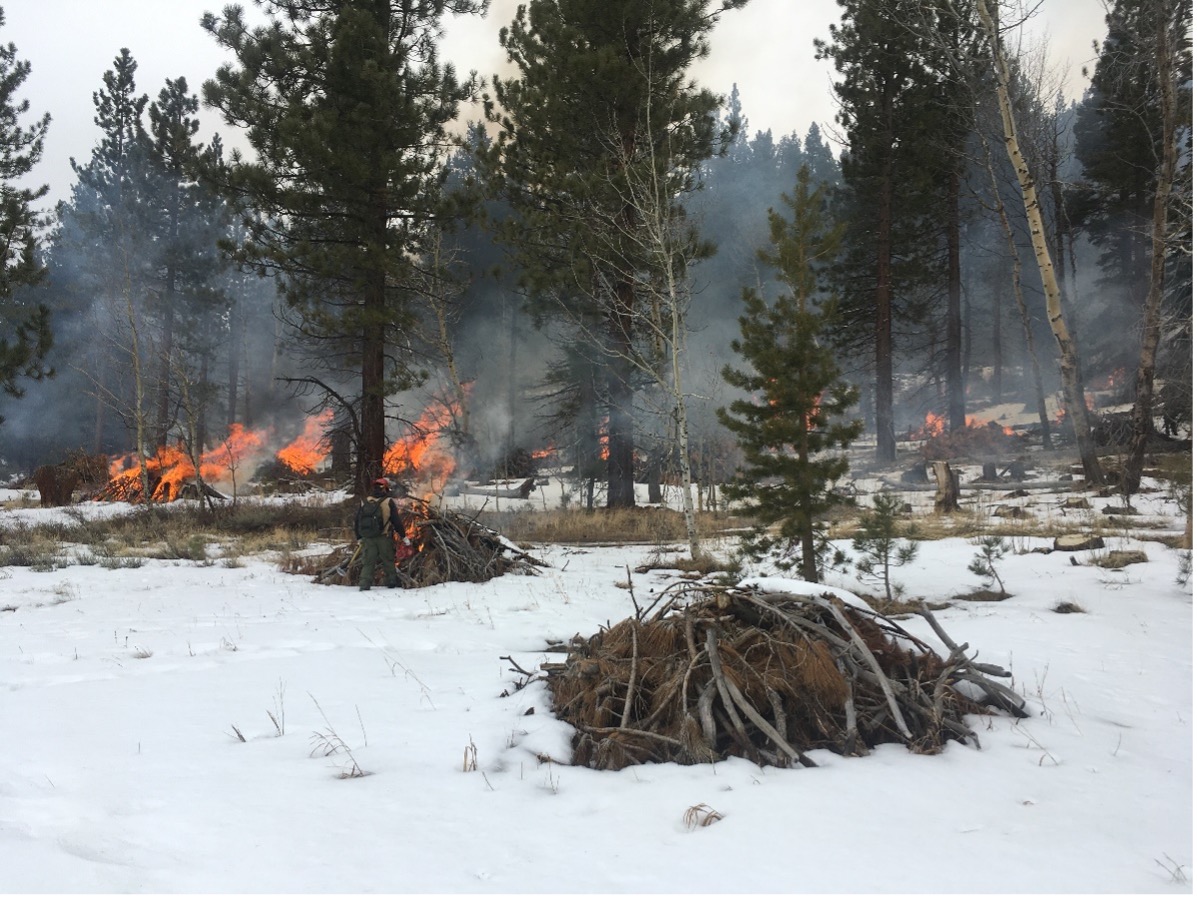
[[170, 467], [1111, 382], [426, 456], [933, 426], [936, 425], [309, 450]]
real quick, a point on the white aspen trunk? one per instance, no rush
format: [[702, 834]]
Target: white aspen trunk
[[1074, 395], [683, 428], [1024, 317]]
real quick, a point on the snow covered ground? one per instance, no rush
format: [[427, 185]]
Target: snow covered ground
[[122, 694]]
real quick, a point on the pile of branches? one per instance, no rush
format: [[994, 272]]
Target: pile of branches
[[765, 676], [441, 546], [57, 483], [128, 489]]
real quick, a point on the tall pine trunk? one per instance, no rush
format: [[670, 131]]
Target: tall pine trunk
[[887, 446], [373, 411], [955, 373], [1142, 417]]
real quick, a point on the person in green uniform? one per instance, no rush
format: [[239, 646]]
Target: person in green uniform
[[373, 525]]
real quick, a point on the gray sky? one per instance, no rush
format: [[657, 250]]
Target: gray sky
[[765, 48]]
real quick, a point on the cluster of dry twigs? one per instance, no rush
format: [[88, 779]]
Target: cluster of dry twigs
[[446, 547], [715, 671]]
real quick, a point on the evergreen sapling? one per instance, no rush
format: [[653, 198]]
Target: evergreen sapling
[[990, 550], [880, 546], [791, 422]]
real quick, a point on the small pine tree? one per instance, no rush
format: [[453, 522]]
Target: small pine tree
[[792, 421], [990, 550], [880, 546]]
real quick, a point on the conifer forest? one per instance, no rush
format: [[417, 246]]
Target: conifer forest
[[384, 265]]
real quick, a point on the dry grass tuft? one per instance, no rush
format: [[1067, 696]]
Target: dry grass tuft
[[1117, 559], [700, 815]]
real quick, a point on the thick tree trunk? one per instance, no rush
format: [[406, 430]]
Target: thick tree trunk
[[887, 446], [998, 361], [955, 372], [512, 368], [1074, 396], [373, 446], [1142, 417]]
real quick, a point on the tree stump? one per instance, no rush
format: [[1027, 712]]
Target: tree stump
[[1077, 542], [947, 487]]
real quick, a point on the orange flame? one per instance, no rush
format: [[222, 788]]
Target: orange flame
[[936, 425], [236, 446], [423, 454], [308, 450], [170, 467], [933, 425]]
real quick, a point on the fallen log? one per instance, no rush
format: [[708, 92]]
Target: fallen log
[[977, 485], [523, 491]]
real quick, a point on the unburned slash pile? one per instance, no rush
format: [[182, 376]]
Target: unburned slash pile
[[766, 676], [440, 546]]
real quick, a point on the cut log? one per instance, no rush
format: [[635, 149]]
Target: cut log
[[1077, 542]]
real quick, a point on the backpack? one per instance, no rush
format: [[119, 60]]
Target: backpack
[[369, 521]]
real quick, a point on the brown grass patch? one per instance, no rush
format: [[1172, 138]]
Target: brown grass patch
[[600, 526]]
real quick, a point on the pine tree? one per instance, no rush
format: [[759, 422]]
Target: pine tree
[[184, 217], [888, 107], [602, 103], [346, 105], [1129, 141], [791, 425], [25, 335], [103, 247]]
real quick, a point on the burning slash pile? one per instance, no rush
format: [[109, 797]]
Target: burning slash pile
[[765, 676], [435, 547], [973, 440]]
